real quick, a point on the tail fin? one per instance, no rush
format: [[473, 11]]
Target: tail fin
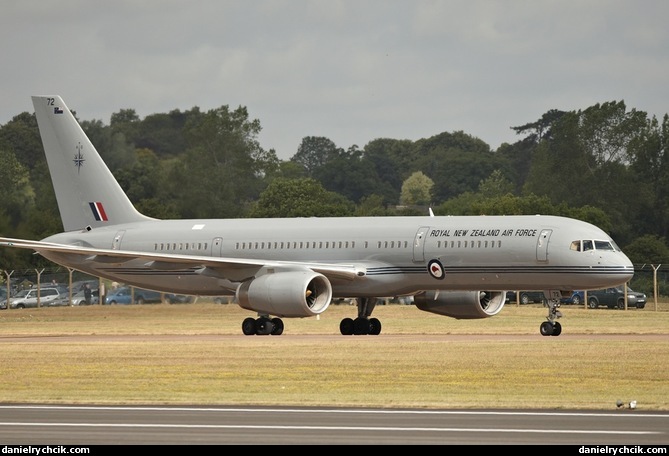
[[88, 195]]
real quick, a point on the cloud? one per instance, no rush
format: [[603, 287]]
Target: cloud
[[352, 71]]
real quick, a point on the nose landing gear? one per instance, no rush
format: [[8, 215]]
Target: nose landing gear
[[551, 327]]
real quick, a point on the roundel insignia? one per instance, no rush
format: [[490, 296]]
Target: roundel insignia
[[435, 269]]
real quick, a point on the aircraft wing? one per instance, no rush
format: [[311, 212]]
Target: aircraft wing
[[233, 269]]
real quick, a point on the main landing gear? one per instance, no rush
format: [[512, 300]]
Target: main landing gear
[[262, 326], [362, 325], [551, 327]]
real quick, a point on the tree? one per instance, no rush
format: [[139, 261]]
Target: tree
[[21, 136], [314, 152], [391, 159], [164, 133], [372, 206], [352, 175], [416, 190], [224, 164], [542, 128], [650, 166], [300, 198], [649, 249], [456, 163], [17, 193], [495, 185]]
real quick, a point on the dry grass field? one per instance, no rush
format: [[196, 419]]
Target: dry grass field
[[195, 354]]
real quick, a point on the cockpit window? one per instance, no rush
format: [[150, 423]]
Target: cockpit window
[[584, 246], [603, 245]]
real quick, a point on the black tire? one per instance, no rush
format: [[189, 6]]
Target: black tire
[[557, 329], [249, 326], [361, 326], [546, 328], [374, 326], [278, 326], [140, 300], [621, 304], [264, 326], [20, 306], [576, 299], [524, 299], [346, 327], [592, 303]]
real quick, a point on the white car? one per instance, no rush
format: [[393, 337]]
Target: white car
[[28, 298], [78, 299]]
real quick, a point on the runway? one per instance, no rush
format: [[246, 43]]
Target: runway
[[177, 425]]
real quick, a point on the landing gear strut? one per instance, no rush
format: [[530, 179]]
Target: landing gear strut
[[552, 327], [362, 325]]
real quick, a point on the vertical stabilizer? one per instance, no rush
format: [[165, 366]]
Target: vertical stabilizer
[[87, 192]]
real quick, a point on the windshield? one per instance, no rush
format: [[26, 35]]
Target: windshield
[[588, 244], [603, 245]]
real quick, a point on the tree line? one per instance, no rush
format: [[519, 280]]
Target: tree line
[[607, 164]]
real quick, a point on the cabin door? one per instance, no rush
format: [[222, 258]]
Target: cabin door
[[542, 245], [216, 247], [419, 244], [116, 243]]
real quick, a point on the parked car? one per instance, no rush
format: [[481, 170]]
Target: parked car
[[79, 298], [3, 294], [526, 297], [178, 299], [28, 298], [123, 295], [224, 299], [613, 298], [575, 298], [80, 284]]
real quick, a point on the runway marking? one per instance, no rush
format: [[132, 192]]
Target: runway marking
[[337, 410], [328, 411], [325, 428]]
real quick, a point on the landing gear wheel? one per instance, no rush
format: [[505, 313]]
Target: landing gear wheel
[[278, 326], [361, 326], [249, 326], [264, 326], [551, 327], [546, 328], [374, 326], [346, 327]]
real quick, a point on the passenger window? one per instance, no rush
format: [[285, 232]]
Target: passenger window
[[576, 245]]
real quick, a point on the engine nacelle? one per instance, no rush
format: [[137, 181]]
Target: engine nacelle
[[286, 294], [463, 305]]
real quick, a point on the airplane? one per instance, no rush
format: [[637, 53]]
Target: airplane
[[455, 266]]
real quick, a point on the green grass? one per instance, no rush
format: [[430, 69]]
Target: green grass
[[195, 354]]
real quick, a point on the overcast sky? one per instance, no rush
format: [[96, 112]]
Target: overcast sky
[[348, 70]]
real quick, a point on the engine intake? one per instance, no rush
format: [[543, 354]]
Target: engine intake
[[286, 294], [463, 305]]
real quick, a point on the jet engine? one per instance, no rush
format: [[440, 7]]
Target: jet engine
[[463, 305], [286, 294]]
